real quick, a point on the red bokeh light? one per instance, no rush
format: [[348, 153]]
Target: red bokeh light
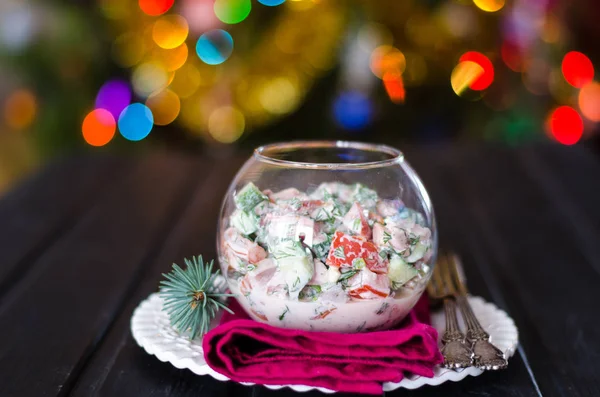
[[565, 125], [487, 77], [394, 86], [98, 127], [577, 69], [155, 7]]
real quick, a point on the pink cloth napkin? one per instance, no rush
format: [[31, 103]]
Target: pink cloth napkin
[[245, 350]]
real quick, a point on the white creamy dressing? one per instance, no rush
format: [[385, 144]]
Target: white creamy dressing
[[320, 315]]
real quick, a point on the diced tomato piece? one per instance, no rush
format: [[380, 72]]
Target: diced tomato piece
[[310, 205], [368, 285], [375, 262], [344, 249], [366, 291]]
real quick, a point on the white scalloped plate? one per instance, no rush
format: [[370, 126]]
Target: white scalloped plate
[[152, 331]]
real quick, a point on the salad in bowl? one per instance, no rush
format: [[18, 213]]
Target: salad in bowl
[[326, 254]]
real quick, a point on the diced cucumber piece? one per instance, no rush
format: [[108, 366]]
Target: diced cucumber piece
[[288, 248], [246, 223], [365, 196], [310, 293], [295, 264], [417, 252], [400, 272], [325, 212], [249, 197], [297, 272], [415, 216]]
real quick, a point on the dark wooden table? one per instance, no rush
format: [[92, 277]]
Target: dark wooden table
[[85, 240]]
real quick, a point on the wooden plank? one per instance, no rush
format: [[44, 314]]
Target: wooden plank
[[120, 367], [564, 174], [453, 235], [523, 239], [53, 320], [44, 207]]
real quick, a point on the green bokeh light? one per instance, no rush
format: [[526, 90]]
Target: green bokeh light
[[232, 11]]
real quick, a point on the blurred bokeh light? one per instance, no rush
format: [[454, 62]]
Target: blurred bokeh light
[[170, 31], [98, 127], [577, 69], [565, 125], [20, 109], [155, 7], [214, 47], [135, 122], [222, 72], [114, 96]]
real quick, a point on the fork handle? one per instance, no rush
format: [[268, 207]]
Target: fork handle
[[487, 356], [457, 354], [474, 329]]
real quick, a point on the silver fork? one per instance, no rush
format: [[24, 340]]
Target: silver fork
[[457, 353], [487, 356]]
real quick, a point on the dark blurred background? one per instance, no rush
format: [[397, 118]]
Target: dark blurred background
[[126, 75]]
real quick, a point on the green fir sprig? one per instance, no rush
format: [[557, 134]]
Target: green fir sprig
[[190, 296]]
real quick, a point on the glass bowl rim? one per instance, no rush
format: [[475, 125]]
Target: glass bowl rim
[[261, 153]]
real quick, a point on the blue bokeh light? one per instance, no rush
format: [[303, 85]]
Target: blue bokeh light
[[352, 110], [214, 47], [135, 122], [271, 3]]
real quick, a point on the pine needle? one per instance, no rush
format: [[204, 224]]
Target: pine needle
[[190, 297]]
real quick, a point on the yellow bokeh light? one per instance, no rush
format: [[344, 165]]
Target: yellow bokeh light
[[589, 101], [128, 49], [165, 106], [279, 96], [20, 109], [489, 5], [148, 78], [226, 124], [186, 81], [463, 75], [170, 31], [172, 59], [386, 59], [248, 93]]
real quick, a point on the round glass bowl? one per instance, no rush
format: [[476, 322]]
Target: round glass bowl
[[327, 236]]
